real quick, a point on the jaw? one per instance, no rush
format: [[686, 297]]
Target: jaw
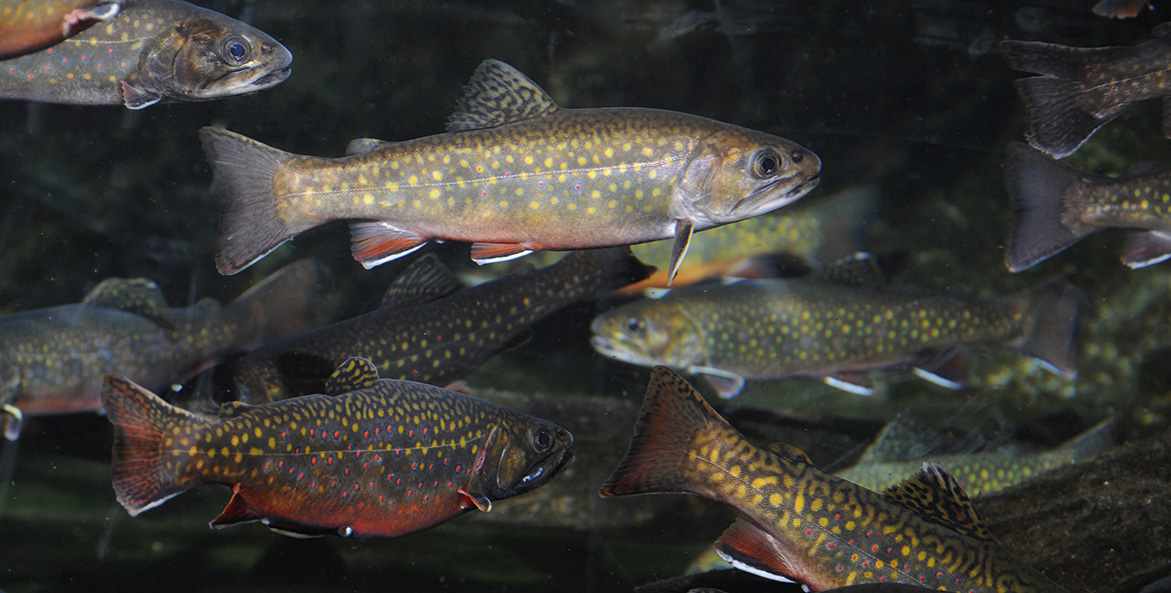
[[242, 82]]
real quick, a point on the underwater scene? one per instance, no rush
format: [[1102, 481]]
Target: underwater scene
[[609, 295]]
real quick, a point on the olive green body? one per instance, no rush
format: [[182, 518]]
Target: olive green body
[[151, 51]]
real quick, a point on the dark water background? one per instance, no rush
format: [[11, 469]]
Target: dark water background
[[911, 97]]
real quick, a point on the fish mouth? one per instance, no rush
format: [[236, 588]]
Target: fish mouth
[[782, 199], [548, 469], [272, 78]]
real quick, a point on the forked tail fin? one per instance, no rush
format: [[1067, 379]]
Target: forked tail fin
[[145, 470], [1038, 188], [672, 416], [1056, 309], [244, 171]]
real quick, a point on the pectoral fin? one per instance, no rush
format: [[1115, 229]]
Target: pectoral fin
[[136, 98], [683, 231], [13, 421], [477, 500]]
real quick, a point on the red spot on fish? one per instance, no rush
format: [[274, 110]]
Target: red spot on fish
[[831, 544], [432, 466], [83, 58], [838, 517], [329, 460], [506, 174], [371, 485], [864, 563], [408, 492], [333, 483], [398, 481], [874, 548], [311, 432], [64, 60], [939, 574], [284, 435], [291, 470], [483, 193], [882, 579], [446, 461], [336, 434], [366, 465], [280, 464], [377, 457], [267, 464], [345, 494], [906, 567], [366, 434], [449, 484], [414, 465], [540, 183], [99, 66], [123, 64], [869, 533], [357, 486], [49, 51], [313, 486], [420, 486], [301, 476], [839, 567], [427, 496], [851, 542], [577, 186], [922, 578], [457, 468], [346, 471], [808, 532], [46, 68], [377, 430], [109, 51], [313, 460], [410, 433], [297, 451], [424, 431]]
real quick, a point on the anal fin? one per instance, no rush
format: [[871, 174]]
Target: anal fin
[[375, 243], [490, 253], [748, 547]]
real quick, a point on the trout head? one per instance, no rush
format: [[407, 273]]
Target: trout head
[[649, 332], [521, 453], [208, 56], [737, 173]]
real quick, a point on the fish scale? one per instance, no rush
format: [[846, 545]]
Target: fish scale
[[374, 458], [800, 523]]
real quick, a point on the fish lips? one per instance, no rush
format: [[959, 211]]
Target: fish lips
[[784, 199], [549, 468]]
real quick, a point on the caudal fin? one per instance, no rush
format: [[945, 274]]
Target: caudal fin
[[672, 415], [145, 471], [244, 170], [1058, 124], [1038, 188], [279, 306], [1056, 309]]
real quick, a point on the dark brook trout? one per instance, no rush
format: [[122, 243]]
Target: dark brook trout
[[514, 174], [151, 51], [372, 458], [801, 524]]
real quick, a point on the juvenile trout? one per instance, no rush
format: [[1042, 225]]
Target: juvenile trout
[[32, 25], [52, 360], [514, 174], [802, 524], [151, 51], [372, 458], [835, 324], [422, 332], [1054, 205], [1082, 89]]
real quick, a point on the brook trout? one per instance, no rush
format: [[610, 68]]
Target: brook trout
[[32, 25], [1082, 89], [514, 174], [372, 458], [1054, 205], [152, 51], [835, 324], [52, 360], [801, 524], [422, 332]]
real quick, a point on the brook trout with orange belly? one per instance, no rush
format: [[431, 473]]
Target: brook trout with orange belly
[[372, 458], [515, 174], [801, 524]]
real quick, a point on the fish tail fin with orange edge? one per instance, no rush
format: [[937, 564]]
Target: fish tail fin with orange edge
[[144, 472], [672, 415]]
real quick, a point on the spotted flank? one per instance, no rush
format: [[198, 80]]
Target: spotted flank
[[426, 330], [28, 26], [800, 524], [1055, 205], [145, 52], [514, 174], [1079, 90], [372, 458], [836, 325]]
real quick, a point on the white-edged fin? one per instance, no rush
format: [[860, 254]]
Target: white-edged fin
[[931, 377], [726, 383], [13, 421], [291, 533], [100, 12], [738, 565], [375, 243], [850, 383], [492, 253], [477, 500], [136, 98], [1146, 249], [683, 231]]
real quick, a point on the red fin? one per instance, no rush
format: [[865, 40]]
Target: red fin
[[375, 243], [480, 502], [748, 547], [237, 511], [671, 416], [490, 253], [144, 475]]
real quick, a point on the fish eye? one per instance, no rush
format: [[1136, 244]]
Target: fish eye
[[635, 325], [235, 50], [542, 440], [766, 164]]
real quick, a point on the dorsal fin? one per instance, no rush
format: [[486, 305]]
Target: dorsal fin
[[363, 145], [132, 295], [934, 495], [789, 453], [860, 270], [498, 94], [353, 374], [425, 280]]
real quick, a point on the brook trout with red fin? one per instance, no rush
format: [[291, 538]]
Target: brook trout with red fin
[[27, 26], [515, 174], [371, 458], [801, 524]]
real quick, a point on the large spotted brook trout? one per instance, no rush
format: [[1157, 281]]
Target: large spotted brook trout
[[152, 51], [514, 174], [370, 458], [802, 524]]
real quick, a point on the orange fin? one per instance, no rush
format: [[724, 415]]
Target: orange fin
[[477, 500], [237, 511], [375, 243], [936, 496], [748, 547], [143, 479], [672, 414], [490, 253]]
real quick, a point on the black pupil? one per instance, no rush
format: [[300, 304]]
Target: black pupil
[[543, 440], [634, 325], [236, 49], [768, 164]]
